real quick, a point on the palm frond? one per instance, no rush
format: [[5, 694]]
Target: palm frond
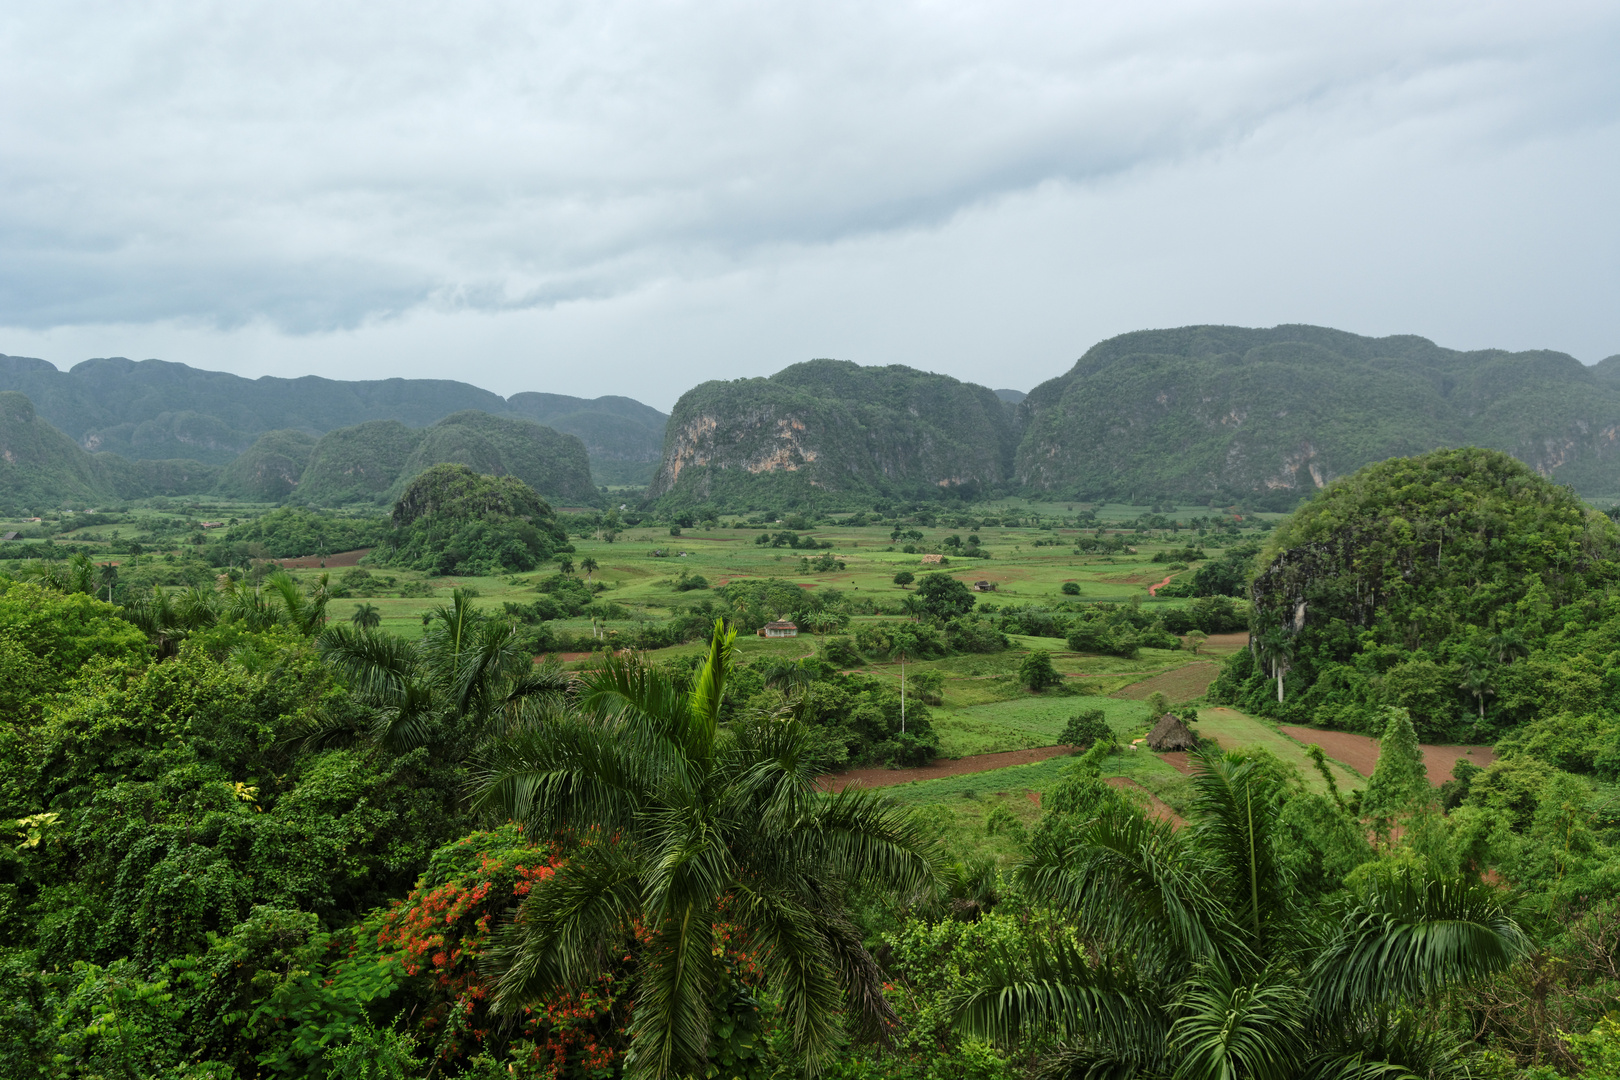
[[1053, 989], [707, 690], [1139, 885], [670, 1036], [568, 775], [1236, 806], [787, 936], [376, 665], [1236, 1029], [562, 933], [1410, 937]]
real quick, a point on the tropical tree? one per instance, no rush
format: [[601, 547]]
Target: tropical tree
[[366, 617], [589, 565], [565, 565], [682, 824], [1202, 960], [1474, 675], [468, 678]]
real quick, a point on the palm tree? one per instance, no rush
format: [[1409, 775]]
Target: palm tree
[[1276, 648], [467, 678], [1202, 961], [683, 823], [109, 578], [1474, 675], [588, 564], [565, 565], [366, 617], [1507, 645]]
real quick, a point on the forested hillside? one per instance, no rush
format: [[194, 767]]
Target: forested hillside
[[42, 467], [1456, 585], [834, 427], [156, 409], [1263, 416]]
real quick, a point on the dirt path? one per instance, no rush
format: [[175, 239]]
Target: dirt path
[[938, 769], [1360, 752], [1153, 590], [1157, 807]]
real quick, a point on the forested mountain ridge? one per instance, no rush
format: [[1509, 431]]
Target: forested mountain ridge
[[837, 427], [1266, 415], [41, 466], [144, 409]]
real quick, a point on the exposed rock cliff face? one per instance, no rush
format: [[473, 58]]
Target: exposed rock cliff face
[[1228, 413], [838, 428]]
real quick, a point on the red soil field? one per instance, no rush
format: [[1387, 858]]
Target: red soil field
[[1360, 752], [333, 562]]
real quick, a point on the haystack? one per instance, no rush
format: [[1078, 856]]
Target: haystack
[[1171, 734]]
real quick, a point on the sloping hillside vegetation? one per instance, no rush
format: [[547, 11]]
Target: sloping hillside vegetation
[[42, 467], [623, 437], [1457, 585], [830, 430], [1264, 416], [451, 520], [357, 464], [548, 461], [270, 468]]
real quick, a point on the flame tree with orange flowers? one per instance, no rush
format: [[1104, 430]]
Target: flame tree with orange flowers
[[707, 825]]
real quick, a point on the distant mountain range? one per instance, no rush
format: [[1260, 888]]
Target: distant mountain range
[[1198, 414], [153, 409], [1202, 414]]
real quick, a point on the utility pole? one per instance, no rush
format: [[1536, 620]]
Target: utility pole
[[902, 692]]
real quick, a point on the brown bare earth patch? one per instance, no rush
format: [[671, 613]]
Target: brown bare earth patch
[[1182, 684], [938, 769], [1226, 644], [331, 562], [1157, 807], [1153, 590], [1179, 760], [1360, 752]]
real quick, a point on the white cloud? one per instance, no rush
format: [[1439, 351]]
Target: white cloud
[[680, 190]]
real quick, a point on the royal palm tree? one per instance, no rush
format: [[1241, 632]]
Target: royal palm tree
[[366, 617], [1202, 961], [588, 565], [1474, 675], [684, 823], [469, 677]]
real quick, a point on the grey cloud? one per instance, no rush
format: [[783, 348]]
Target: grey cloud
[[319, 165]]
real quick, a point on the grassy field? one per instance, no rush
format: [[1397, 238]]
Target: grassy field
[[984, 708]]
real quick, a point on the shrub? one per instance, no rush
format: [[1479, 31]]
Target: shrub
[[1071, 588], [1036, 671], [1085, 729]]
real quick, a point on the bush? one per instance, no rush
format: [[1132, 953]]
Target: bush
[[1036, 671], [904, 578], [1071, 588], [840, 652], [1085, 729]]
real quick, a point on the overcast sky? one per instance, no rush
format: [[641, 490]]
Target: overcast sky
[[630, 198]]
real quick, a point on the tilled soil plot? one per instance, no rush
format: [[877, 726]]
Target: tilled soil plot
[[1360, 752], [938, 769]]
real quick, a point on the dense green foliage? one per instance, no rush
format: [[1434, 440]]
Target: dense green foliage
[[1232, 415], [293, 531], [1457, 585], [452, 520]]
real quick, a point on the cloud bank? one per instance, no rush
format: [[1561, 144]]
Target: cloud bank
[[729, 179]]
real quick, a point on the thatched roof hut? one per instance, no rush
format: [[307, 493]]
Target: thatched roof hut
[[1171, 734]]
